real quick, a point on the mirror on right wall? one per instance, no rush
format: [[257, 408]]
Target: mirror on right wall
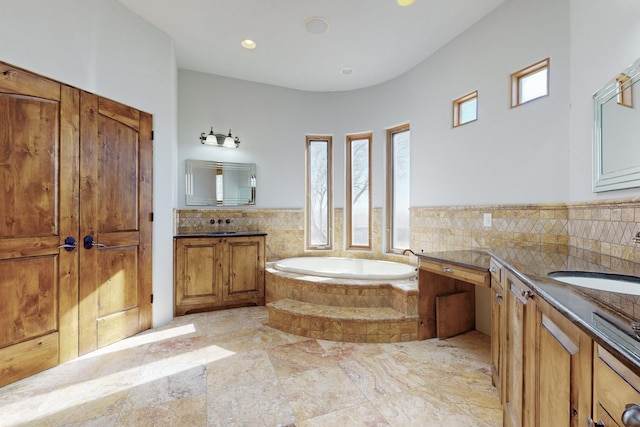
[[616, 136]]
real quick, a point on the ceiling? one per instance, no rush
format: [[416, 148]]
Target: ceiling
[[377, 39]]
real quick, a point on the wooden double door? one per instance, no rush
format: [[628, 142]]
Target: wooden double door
[[75, 222]]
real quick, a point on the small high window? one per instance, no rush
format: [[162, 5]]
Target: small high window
[[530, 83], [465, 109]]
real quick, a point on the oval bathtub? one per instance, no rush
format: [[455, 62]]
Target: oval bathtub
[[347, 268]]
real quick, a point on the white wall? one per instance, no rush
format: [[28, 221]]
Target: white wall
[[605, 39], [270, 121], [509, 155], [101, 47]]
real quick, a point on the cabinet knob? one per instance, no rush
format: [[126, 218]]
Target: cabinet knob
[[526, 294], [447, 270], [635, 326], [499, 298], [591, 423], [631, 415], [492, 270]]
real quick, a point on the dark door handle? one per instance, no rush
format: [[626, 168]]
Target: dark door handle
[[69, 244], [89, 242]]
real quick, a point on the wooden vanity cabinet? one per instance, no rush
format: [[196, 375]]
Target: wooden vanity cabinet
[[218, 272], [520, 314], [563, 367], [498, 334], [548, 363], [446, 303], [614, 387]]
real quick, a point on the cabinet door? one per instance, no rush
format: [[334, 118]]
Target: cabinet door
[[38, 211], [115, 214], [520, 341], [198, 272], [563, 366], [498, 333], [614, 387], [245, 275]]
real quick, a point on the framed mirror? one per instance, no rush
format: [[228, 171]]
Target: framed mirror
[[212, 183], [616, 135]]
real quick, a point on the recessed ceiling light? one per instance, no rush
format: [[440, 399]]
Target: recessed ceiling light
[[347, 71], [405, 2], [316, 25], [248, 44]]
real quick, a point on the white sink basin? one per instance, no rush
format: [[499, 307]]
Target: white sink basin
[[600, 281]]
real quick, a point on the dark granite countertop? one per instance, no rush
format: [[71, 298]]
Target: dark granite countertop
[[605, 316], [475, 259], [221, 234]]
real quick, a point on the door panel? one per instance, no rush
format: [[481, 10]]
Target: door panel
[[554, 404], [38, 281], [34, 313], [514, 359], [118, 177], [243, 259], [198, 265], [115, 210], [245, 272], [118, 269], [30, 150]]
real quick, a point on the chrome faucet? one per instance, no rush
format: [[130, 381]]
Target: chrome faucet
[[413, 253]]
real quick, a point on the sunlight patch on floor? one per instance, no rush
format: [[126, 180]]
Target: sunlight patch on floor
[[77, 394]]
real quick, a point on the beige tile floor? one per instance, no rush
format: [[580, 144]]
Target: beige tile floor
[[229, 368]]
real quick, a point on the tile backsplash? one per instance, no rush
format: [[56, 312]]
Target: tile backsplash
[[602, 227]]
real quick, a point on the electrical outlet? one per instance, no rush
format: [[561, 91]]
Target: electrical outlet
[[486, 220]]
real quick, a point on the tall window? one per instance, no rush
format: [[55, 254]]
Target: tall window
[[358, 215], [398, 188], [319, 206]]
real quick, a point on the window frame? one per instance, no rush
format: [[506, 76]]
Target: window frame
[[390, 203], [457, 107], [518, 76], [308, 214], [349, 195]]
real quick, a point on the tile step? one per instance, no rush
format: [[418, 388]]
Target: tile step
[[349, 324]]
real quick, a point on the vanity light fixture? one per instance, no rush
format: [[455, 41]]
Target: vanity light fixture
[[219, 139]]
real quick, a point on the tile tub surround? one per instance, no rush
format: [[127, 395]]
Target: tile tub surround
[[342, 309], [606, 227], [230, 368], [603, 229], [284, 228]]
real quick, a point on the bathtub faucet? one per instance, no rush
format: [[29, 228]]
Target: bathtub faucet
[[408, 250]]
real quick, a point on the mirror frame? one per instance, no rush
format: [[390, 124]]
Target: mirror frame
[[193, 200], [623, 178]]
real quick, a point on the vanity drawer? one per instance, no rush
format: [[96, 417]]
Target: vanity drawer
[[469, 275], [495, 269]]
